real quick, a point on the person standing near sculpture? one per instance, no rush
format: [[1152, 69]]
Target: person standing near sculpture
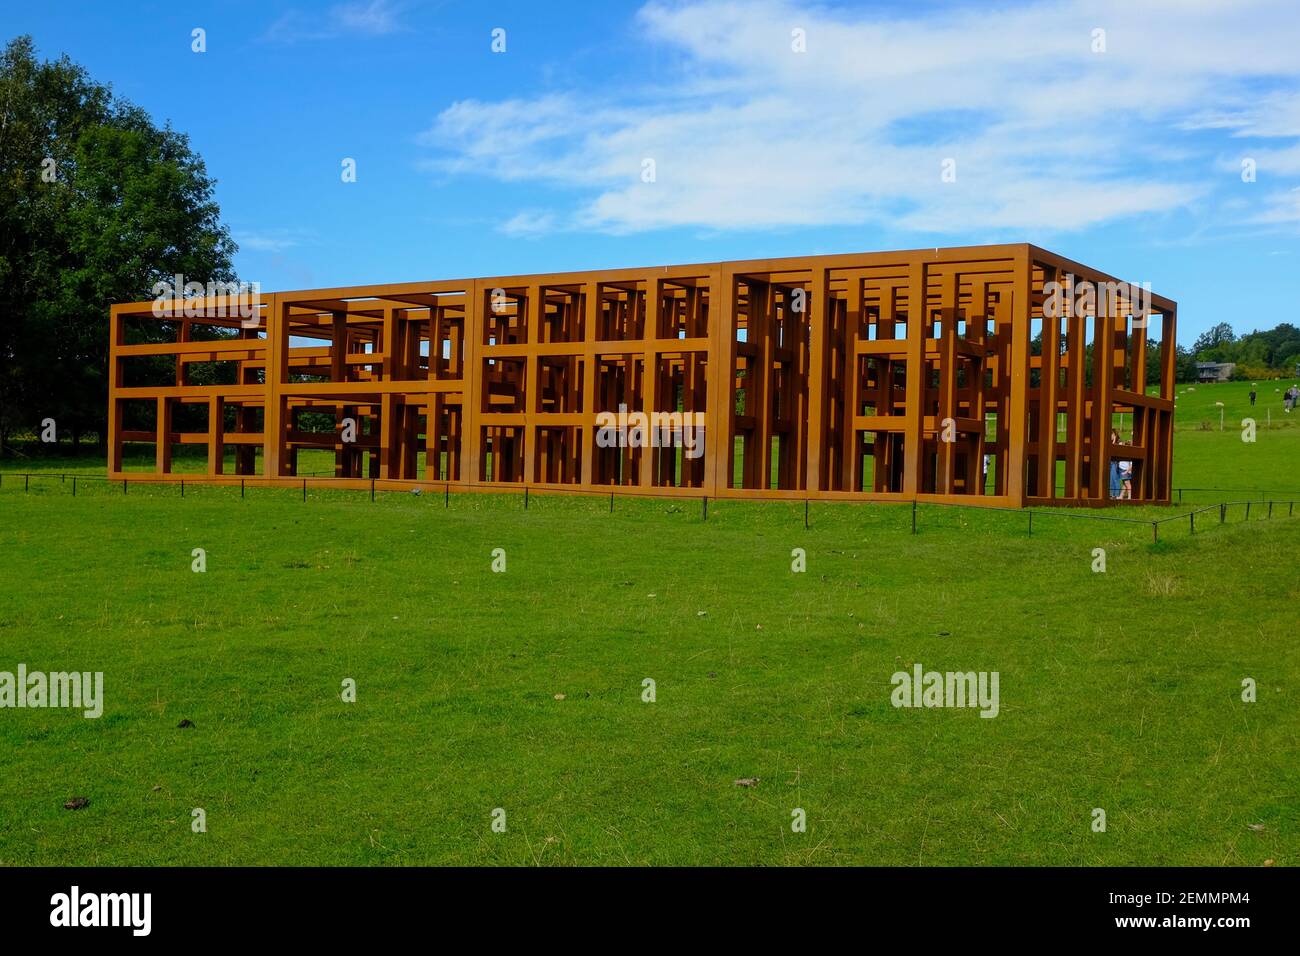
[[1126, 480], [1115, 485]]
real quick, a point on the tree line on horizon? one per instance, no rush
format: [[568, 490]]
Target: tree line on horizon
[[1270, 354]]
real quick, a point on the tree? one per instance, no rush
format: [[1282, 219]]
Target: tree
[[96, 205], [1217, 335]]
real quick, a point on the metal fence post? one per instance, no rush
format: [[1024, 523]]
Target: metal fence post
[[913, 516]]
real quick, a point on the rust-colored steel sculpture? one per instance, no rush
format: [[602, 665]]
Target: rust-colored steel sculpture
[[979, 375]]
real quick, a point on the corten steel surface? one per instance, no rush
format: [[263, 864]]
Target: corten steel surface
[[872, 376]]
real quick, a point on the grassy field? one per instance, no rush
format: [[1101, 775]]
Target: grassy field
[[523, 690]]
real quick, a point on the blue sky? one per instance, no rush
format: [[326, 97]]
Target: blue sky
[[1123, 149]]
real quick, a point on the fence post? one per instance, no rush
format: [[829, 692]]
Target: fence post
[[304, 489], [805, 514], [446, 495], [1031, 524], [1180, 496], [525, 497], [74, 486], [913, 516], [26, 479], [1247, 510], [372, 489], [123, 487], [1223, 511], [1270, 509], [182, 487], [706, 507], [1191, 515], [1155, 532], [241, 487]]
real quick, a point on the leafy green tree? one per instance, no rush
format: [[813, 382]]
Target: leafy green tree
[[96, 205], [1217, 335]]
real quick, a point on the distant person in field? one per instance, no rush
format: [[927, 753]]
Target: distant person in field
[[1126, 477], [1252, 396], [1292, 394], [1115, 485]]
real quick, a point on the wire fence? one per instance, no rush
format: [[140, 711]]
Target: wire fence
[[1263, 507], [1263, 493]]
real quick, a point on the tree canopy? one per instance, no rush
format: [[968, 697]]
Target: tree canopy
[[1274, 353], [97, 203]]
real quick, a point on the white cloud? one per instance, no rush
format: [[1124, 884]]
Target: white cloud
[[529, 224], [377, 17], [1283, 209], [277, 240], [1046, 134], [366, 17]]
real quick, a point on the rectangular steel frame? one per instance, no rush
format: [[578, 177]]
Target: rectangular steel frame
[[932, 375]]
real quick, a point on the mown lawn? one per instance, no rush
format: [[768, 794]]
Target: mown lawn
[[1118, 690]]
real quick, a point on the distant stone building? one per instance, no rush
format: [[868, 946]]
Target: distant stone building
[[1214, 371]]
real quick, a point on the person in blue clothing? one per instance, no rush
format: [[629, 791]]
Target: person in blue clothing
[[1116, 483]]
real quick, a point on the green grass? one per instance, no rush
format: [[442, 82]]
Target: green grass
[[1119, 690], [1206, 457]]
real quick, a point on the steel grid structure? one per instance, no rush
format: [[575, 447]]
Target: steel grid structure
[[949, 375]]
